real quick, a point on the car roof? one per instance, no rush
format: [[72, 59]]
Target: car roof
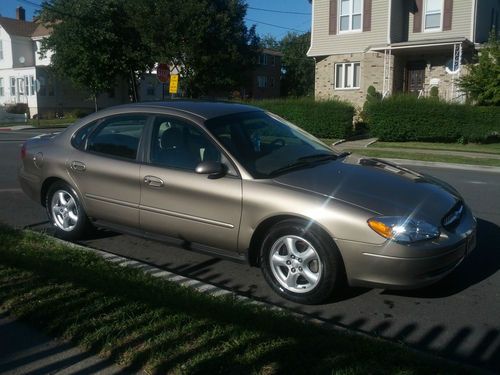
[[204, 109]]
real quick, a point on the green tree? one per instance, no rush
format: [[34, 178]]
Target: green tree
[[94, 43], [298, 69], [206, 39], [482, 83]]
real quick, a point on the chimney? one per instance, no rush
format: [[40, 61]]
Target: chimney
[[20, 14]]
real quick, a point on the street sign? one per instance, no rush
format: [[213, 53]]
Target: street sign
[[163, 73], [174, 84]]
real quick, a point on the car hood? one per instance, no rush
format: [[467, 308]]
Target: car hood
[[381, 187]]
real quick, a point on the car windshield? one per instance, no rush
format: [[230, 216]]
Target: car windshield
[[267, 145]]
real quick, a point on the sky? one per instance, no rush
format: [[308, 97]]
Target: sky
[[276, 23]]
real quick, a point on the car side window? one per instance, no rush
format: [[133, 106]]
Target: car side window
[[177, 144], [80, 137], [118, 136]]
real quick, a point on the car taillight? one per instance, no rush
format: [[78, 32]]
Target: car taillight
[[23, 151]]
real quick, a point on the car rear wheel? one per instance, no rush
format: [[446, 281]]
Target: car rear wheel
[[300, 263], [66, 213]]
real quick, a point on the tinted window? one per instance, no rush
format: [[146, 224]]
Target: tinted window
[[80, 137], [118, 136], [176, 144], [265, 144]]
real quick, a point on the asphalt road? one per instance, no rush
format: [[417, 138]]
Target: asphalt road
[[458, 317]]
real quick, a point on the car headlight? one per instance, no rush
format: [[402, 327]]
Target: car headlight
[[403, 229]]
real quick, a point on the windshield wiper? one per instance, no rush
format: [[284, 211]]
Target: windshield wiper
[[318, 157], [304, 162]]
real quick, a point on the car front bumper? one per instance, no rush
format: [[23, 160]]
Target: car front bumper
[[398, 266]]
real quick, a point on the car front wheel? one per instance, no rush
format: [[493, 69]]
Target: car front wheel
[[300, 263], [66, 213]]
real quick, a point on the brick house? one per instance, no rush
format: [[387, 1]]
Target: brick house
[[396, 45], [265, 78]]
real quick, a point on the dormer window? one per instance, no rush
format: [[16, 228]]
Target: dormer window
[[1, 50], [350, 15], [433, 15]]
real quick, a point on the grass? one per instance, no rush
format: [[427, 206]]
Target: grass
[[143, 322], [425, 157], [492, 148], [43, 122]]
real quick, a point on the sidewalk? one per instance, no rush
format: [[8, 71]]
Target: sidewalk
[[24, 350], [366, 144]]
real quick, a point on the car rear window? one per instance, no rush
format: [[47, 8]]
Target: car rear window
[[118, 136]]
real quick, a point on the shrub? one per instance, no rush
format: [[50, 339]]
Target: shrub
[[19, 108], [78, 113], [434, 93], [406, 118], [323, 119]]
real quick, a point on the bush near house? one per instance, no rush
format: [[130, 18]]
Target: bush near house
[[323, 119], [405, 118]]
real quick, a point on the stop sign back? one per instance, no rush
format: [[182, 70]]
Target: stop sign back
[[163, 73]]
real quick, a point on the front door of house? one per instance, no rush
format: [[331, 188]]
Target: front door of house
[[415, 77]]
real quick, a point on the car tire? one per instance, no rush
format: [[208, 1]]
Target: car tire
[[66, 212], [300, 262]]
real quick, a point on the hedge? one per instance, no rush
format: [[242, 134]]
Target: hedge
[[323, 119], [407, 118]]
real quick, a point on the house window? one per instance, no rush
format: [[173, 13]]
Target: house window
[[262, 59], [272, 82], [261, 82], [26, 85], [347, 75], [32, 85], [433, 15], [12, 86], [351, 15], [150, 89], [43, 86], [1, 49], [1, 87]]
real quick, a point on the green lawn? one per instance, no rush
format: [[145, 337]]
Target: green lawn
[[425, 157], [143, 322], [492, 148], [43, 122]]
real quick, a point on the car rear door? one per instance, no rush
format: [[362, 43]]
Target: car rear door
[[106, 168], [178, 202]]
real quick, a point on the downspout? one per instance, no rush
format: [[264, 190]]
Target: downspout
[[389, 22], [473, 22]]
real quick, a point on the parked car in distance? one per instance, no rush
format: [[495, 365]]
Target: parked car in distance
[[237, 182]]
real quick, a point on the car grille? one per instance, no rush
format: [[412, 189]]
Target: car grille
[[453, 217]]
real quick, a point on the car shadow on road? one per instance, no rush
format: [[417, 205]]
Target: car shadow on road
[[483, 262]]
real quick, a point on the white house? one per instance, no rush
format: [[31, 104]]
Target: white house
[[23, 70]]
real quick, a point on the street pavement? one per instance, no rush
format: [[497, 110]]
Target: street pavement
[[456, 318]]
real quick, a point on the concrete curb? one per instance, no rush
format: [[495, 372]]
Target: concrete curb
[[14, 128], [433, 164], [216, 291]]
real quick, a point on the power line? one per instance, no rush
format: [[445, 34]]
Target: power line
[[280, 11], [279, 27]]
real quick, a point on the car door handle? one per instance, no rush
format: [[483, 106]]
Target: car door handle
[[78, 166], [153, 181]]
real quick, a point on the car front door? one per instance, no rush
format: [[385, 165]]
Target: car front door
[[105, 168], [178, 202]]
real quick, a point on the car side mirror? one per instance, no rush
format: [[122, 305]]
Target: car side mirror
[[213, 169]]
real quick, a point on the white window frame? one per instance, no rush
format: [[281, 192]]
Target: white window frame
[[12, 87], [32, 85], [424, 19], [350, 78], [351, 14]]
